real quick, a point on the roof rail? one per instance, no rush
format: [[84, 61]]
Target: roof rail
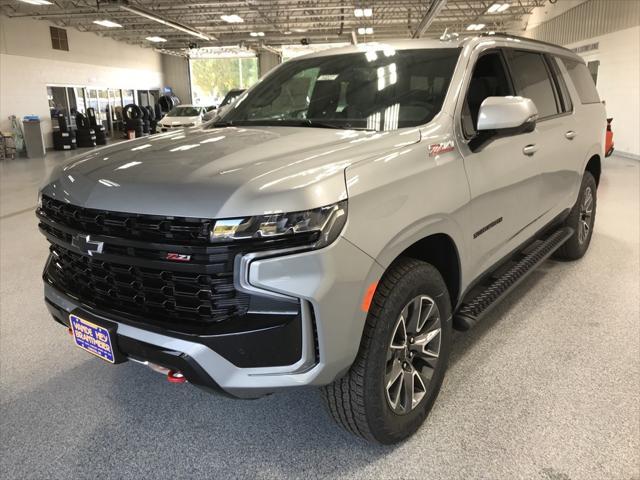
[[526, 39]]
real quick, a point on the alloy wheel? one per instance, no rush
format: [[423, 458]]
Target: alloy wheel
[[413, 354], [586, 215]]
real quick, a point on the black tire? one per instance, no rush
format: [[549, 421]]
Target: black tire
[[151, 114], [358, 401], [62, 123], [82, 122], [91, 117], [132, 112], [578, 244]]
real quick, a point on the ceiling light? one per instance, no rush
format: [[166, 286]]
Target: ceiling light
[[107, 23], [476, 26], [257, 34], [232, 18], [363, 12], [365, 31], [156, 39], [299, 30], [498, 7], [168, 23], [37, 2], [288, 32]]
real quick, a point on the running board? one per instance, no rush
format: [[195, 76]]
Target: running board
[[488, 294]]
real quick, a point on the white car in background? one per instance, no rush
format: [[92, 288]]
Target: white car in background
[[182, 116]]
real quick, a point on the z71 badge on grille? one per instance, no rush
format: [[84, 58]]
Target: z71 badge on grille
[[86, 245], [178, 257]]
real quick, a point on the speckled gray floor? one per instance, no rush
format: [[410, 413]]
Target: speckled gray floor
[[547, 388]]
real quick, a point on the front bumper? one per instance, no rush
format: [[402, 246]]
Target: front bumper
[[330, 284]]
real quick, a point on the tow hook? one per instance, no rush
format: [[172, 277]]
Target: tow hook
[[176, 377]]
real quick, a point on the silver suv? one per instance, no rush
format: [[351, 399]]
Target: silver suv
[[334, 225]]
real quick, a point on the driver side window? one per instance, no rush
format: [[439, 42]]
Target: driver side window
[[489, 79]]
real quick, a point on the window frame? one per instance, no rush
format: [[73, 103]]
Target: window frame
[[564, 59], [57, 35], [561, 84], [493, 50], [554, 86]]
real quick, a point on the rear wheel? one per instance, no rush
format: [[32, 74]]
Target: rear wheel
[[396, 377], [581, 218]]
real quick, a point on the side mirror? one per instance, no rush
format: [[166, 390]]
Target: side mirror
[[507, 115]]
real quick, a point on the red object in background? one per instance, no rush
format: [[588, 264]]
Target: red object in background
[[608, 144]]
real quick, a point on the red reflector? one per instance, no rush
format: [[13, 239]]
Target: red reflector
[[178, 257], [175, 377], [368, 297]]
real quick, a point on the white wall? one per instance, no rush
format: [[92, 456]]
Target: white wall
[[619, 83], [28, 64]]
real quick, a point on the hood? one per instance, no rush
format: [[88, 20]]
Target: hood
[[223, 172]]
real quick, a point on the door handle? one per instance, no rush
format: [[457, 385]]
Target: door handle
[[530, 149], [570, 135]]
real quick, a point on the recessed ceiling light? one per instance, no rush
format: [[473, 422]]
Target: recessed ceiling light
[[365, 31], [363, 12], [498, 7], [476, 26], [156, 39], [257, 34], [232, 18], [37, 2], [299, 30], [107, 23]]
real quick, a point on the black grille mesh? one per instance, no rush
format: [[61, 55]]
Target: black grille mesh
[[151, 228], [165, 296]]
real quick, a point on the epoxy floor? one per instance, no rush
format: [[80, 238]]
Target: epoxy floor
[[546, 388]]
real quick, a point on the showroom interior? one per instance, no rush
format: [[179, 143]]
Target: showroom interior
[[546, 386]]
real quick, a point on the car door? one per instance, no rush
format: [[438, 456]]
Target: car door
[[534, 77], [502, 173]]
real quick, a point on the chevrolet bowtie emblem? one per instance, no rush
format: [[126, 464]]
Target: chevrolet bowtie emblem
[[86, 245]]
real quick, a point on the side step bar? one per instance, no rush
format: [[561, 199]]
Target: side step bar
[[497, 287]]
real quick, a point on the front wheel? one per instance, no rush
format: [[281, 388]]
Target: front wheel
[[582, 219], [397, 374]]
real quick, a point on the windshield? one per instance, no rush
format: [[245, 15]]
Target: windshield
[[184, 112], [374, 90]]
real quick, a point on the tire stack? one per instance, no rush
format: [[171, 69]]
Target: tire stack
[[85, 135], [146, 122], [63, 138], [152, 118], [133, 118], [100, 131]]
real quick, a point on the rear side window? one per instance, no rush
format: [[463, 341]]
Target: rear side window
[[566, 104], [532, 79], [582, 80]]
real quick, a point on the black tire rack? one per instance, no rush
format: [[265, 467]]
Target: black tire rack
[[85, 134], [64, 138]]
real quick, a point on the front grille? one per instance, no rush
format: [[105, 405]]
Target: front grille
[[150, 228], [186, 300], [132, 278]]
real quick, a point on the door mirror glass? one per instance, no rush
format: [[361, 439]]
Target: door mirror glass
[[507, 114]]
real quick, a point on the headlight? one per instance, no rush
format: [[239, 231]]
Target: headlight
[[321, 225]]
